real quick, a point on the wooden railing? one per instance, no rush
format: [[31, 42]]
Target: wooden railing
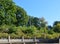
[[22, 40]]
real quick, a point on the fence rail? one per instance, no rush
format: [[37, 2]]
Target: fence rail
[[22, 40]]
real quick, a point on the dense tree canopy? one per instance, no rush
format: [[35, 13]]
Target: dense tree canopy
[[11, 14], [15, 22], [21, 16], [7, 13]]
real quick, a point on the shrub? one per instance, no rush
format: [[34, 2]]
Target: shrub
[[3, 35]]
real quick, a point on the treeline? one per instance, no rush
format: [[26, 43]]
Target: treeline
[[15, 22]]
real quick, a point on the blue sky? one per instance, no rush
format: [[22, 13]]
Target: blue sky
[[49, 9]]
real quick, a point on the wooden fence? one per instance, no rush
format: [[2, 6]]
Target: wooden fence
[[24, 41]]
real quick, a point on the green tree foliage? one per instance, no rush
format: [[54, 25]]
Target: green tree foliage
[[50, 31], [57, 28], [4, 28], [21, 16], [29, 30], [49, 27], [56, 22], [43, 22], [36, 22], [12, 29], [15, 22], [10, 13], [30, 21], [7, 11]]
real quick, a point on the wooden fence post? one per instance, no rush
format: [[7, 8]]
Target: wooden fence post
[[9, 40], [35, 42], [23, 40]]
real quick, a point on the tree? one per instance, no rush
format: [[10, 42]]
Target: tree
[[56, 22], [29, 30], [12, 14], [43, 22], [36, 22], [50, 31], [21, 16], [49, 27], [30, 21], [7, 11], [56, 28], [12, 29], [4, 28]]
